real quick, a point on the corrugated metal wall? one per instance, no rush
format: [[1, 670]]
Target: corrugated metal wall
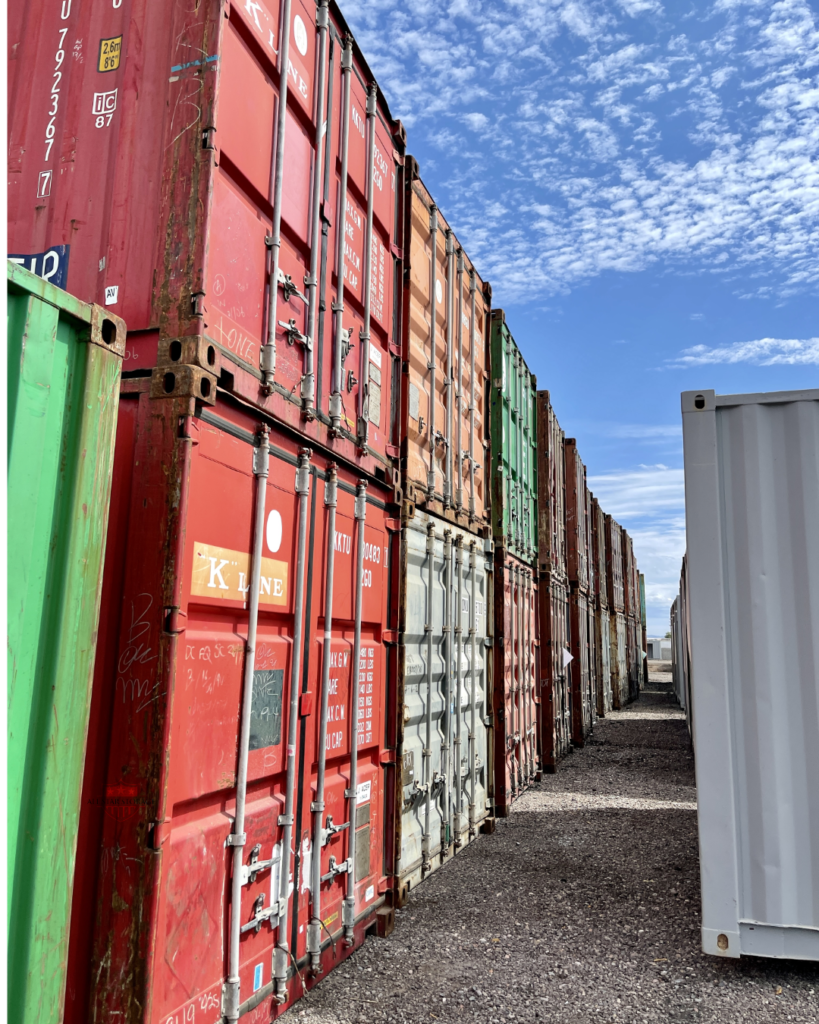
[[752, 519]]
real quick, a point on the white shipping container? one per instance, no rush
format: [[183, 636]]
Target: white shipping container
[[752, 524]]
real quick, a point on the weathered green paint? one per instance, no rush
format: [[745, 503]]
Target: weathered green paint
[[643, 600], [63, 396], [513, 426]]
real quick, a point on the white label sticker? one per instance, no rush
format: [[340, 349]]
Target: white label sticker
[[439, 291], [300, 35], [111, 294], [369, 893], [362, 792], [375, 355], [274, 531]]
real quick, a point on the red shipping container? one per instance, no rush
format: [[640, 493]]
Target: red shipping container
[[555, 675], [555, 680], [154, 170], [583, 697], [167, 867], [577, 523], [614, 565], [515, 699]]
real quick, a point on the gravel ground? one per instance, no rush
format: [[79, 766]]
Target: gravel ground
[[583, 906]]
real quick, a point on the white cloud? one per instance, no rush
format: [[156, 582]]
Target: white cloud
[[645, 431], [636, 7], [764, 352], [476, 121], [649, 501], [641, 492], [580, 108]]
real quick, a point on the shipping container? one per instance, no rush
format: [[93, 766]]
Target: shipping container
[[551, 481], [751, 512], [614, 566], [584, 701], [237, 807], [618, 660], [155, 169], [446, 308], [605, 700], [577, 523], [64, 364], [629, 594], [555, 674], [602, 631], [553, 587], [444, 695], [513, 426], [516, 712], [635, 659], [595, 683], [644, 633]]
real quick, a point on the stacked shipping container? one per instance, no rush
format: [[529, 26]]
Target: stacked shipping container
[[617, 620], [317, 673], [444, 696], [601, 611], [513, 420], [553, 586], [584, 701]]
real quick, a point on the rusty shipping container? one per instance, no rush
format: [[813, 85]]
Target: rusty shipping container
[[555, 675], [614, 566], [631, 593], [444, 783], [446, 307], [246, 223], [240, 778], [577, 523], [553, 586], [618, 659], [583, 696], [602, 623], [591, 609], [644, 632], [516, 647]]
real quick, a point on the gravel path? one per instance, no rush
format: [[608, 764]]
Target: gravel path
[[583, 906]]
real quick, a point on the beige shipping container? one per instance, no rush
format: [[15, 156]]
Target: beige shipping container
[[445, 447]]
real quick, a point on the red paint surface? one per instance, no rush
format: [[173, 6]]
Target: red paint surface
[[150, 926], [169, 200]]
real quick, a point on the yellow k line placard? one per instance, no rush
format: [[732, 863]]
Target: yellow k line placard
[[223, 574]]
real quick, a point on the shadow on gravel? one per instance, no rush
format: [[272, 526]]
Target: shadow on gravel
[[582, 908]]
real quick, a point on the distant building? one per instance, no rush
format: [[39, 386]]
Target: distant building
[[659, 648]]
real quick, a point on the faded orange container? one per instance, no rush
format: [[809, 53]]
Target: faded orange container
[[445, 444]]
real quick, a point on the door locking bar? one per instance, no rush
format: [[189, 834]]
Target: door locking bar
[[338, 869], [252, 869]]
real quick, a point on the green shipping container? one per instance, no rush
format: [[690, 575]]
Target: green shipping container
[[514, 440], [64, 365]]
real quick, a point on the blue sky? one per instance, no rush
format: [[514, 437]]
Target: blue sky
[[640, 182]]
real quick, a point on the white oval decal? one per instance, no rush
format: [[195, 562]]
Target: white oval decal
[[274, 531], [300, 35], [439, 291]]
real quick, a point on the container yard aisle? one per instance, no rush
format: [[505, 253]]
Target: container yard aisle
[[583, 906]]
